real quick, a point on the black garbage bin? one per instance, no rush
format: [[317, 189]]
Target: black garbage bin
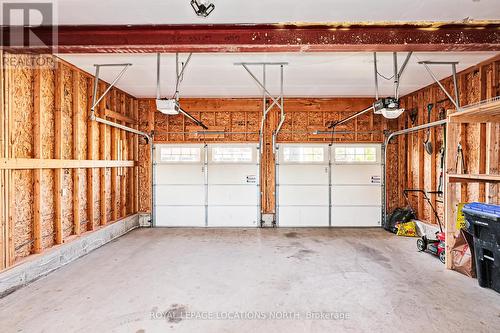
[[484, 223]]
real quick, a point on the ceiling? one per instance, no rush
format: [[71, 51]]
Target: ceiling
[[307, 74], [272, 11]]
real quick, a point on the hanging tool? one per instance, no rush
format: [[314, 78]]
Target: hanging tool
[[413, 113], [442, 152], [441, 169], [427, 142], [460, 155]]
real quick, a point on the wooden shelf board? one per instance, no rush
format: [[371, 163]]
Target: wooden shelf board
[[484, 113], [456, 178]]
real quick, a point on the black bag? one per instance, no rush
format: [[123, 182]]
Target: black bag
[[399, 215]]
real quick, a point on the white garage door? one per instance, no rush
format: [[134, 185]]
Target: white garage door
[[207, 186], [303, 186], [319, 185]]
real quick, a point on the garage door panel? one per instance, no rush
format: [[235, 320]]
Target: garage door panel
[[303, 195], [356, 195], [357, 217], [304, 191], [303, 174], [303, 216], [354, 174], [180, 195], [230, 174], [219, 180], [179, 174], [172, 216], [233, 216], [232, 195]]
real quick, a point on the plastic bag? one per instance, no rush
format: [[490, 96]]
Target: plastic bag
[[408, 229]]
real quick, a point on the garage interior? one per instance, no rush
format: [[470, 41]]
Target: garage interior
[[156, 169]]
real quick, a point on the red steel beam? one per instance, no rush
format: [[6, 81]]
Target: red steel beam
[[475, 36]]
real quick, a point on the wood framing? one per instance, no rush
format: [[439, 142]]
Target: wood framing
[[456, 177], [41, 171], [135, 176], [32, 163], [239, 120], [76, 155], [103, 156], [119, 117], [91, 126], [489, 112], [114, 172], [123, 155], [58, 100], [37, 154], [2, 192], [476, 83]]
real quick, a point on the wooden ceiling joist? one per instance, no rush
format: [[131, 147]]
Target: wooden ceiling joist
[[416, 36]]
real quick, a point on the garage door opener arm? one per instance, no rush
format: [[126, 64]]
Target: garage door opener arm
[[276, 101]]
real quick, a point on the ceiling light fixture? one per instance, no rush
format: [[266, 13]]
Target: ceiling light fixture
[[202, 8]]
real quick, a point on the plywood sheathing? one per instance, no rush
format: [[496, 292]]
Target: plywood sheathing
[[145, 125], [22, 147], [476, 83], [71, 102], [82, 149], [47, 151], [67, 151]]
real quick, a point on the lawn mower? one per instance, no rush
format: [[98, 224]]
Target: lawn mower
[[436, 245]]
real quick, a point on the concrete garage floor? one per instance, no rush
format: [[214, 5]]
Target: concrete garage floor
[[151, 280]]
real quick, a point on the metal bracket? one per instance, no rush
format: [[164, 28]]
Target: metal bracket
[[456, 100], [179, 73], [278, 101], [398, 72], [95, 100]]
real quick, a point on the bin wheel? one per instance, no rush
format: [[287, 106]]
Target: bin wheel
[[442, 257], [421, 245]]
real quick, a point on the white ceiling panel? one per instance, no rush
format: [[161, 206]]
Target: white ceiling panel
[[272, 11], [308, 74]]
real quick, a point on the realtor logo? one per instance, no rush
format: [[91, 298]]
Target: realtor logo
[[19, 23]]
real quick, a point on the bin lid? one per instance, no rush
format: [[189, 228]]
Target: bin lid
[[478, 207]]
